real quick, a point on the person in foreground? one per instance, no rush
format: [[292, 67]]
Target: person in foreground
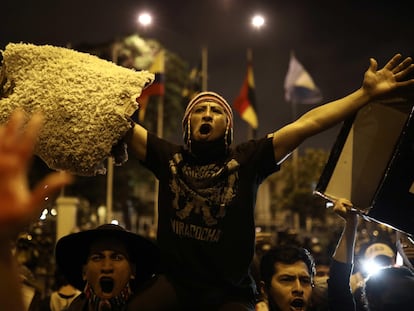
[[108, 264], [287, 275], [19, 204], [208, 188], [391, 288]]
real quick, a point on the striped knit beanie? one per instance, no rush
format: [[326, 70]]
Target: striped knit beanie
[[205, 97]]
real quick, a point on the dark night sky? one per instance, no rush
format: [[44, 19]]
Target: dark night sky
[[333, 40]]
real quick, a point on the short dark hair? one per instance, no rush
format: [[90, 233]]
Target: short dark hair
[[287, 255], [391, 288]]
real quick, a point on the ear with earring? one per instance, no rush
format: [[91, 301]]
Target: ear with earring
[[189, 132]]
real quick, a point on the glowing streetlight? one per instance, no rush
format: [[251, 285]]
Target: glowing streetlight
[[144, 19], [257, 21]]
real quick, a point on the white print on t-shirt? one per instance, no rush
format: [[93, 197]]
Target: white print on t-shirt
[[204, 190]]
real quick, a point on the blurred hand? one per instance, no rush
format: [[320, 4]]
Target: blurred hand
[[18, 203]]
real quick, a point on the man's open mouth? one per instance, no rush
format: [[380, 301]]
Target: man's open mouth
[[298, 304], [107, 284], [205, 129]]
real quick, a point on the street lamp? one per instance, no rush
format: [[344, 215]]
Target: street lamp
[[144, 19], [257, 21]]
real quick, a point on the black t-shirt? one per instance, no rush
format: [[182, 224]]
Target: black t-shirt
[[206, 229]]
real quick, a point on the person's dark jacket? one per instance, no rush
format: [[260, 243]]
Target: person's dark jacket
[[339, 291]]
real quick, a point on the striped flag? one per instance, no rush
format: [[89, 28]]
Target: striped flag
[[157, 88], [246, 101], [299, 85]]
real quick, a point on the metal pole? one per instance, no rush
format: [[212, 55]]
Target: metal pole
[[160, 130], [204, 70], [109, 189], [110, 163], [295, 153]]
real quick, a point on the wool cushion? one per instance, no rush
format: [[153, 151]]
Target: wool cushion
[[86, 102]]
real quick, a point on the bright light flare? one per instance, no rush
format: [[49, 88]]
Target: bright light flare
[[145, 19], [258, 21], [371, 266], [44, 214]]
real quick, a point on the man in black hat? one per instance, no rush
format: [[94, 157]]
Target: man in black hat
[[108, 264]]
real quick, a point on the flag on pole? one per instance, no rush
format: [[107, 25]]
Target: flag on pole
[[157, 88], [299, 85], [246, 101]]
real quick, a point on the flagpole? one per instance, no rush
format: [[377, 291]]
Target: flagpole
[[160, 132], [204, 70], [110, 161], [298, 78], [295, 153]]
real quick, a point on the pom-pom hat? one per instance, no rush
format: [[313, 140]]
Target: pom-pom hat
[[208, 97]]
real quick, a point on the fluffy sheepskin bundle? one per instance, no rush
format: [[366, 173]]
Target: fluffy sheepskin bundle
[[86, 102]]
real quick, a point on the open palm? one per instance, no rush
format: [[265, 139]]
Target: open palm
[[390, 78]]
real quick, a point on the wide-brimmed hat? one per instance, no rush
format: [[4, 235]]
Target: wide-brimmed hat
[[72, 252]]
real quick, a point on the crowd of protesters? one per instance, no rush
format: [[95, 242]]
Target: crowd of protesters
[[205, 246]]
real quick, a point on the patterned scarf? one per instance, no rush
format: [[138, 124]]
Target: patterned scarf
[[117, 303]]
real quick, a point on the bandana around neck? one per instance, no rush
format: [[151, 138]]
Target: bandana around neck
[[209, 151], [117, 303]]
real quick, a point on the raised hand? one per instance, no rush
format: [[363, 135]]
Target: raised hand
[[18, 203], [344, 208], [391, 79]]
